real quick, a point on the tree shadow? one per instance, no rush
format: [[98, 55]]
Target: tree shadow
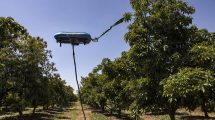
[[63, 117], [197, 118], [184, 116], [164, 113], [155, 113], [7, 111], [36, 116], [3, 112], [48, 114], [54, 111]]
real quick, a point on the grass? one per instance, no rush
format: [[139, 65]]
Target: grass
[[14, 114], [181, 114], [70, 113], [75, 113], [98, 116], [27, 114]]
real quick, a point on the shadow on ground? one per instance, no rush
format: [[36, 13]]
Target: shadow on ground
[[197, 118], [41, 115], [114, 114], [36, 116], [182, 115]]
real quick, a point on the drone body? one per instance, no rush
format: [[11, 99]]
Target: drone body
[[74, 38]]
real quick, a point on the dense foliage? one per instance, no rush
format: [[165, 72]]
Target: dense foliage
[[27, 77], [169, 64]]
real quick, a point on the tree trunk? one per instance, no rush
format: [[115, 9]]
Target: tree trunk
[[119, 112], [34, 110], [172, 111], [172, 115], [111, 111], [45, 107], [20, 112], [204, 109], [102, 107], [206, 114], [53, 105], [6, 107]]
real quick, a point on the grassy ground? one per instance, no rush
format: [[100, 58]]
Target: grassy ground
[[69, 113], [15, 114], [74, 113], [181, 114]]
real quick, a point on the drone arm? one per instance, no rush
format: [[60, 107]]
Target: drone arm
[[115, 24]]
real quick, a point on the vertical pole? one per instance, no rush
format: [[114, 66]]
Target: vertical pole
[[80, 97]]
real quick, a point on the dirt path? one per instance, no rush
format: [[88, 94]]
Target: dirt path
[[75, 113], [87, 112]]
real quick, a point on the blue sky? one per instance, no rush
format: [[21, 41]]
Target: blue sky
[[46, 17]]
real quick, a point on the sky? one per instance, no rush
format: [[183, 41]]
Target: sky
[[44, 18]]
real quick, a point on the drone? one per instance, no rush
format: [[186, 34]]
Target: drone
[[76, 38]]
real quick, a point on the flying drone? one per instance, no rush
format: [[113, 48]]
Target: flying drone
[[76, 38]]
